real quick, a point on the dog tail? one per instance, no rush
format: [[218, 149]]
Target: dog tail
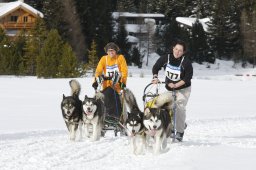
[[75, 87], [130, 100]]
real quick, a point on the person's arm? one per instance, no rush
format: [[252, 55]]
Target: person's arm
[[123, 70], [158, 65], [188, 72], [100, 67]]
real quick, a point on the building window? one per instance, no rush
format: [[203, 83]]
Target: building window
[[25, 19], [14, 18]]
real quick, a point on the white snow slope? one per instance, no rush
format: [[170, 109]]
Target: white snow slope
[[221, 133]]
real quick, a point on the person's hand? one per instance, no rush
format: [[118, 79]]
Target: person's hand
[[122, 85], [172, 85], [99, 79], [155, 79], [95, 85]]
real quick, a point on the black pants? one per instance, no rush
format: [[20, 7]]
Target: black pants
[[112, 102]]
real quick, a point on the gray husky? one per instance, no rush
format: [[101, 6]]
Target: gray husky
[[71, 107], [134, 124], [157, 122], [93, 116]]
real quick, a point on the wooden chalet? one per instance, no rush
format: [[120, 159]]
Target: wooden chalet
[[17, 16]]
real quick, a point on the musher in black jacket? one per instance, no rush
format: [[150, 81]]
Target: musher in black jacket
[[178, 72]]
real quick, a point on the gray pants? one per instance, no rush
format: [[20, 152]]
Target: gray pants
[[182, 97]]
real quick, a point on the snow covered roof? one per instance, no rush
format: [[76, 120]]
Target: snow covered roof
[[190, 21], [136, 15], [132, 39], [7, 8]]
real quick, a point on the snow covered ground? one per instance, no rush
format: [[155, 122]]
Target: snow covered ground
[[221, 118]]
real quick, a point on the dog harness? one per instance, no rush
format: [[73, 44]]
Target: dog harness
[[173, 72]]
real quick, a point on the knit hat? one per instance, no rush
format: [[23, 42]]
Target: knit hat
[[112, 46]]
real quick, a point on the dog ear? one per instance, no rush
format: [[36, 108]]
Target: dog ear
[[85, 97], [128, 114], [146, 111], [63, 96]]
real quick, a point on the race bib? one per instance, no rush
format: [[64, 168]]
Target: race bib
[[111, 70], [172, 72]]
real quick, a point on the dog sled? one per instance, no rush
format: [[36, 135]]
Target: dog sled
[[115, 121], [150, 93]]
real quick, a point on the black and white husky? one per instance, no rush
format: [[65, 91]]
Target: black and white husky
[[93, 116], [134, 124], [71, 107], [157, 122]]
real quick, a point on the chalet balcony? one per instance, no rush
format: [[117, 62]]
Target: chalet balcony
[[11, 25]]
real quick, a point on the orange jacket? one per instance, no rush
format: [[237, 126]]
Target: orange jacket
[[110, 61]]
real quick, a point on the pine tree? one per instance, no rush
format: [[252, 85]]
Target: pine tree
[[68, 66], [33, 47], [7, 52], [49, 58], [126, 6], [93, 58], [19, 47], [224, 28], [96, 21], [122, 41], [199, 47], [54, 16], [136, 57]]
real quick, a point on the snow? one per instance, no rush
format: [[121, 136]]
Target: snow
[[189, 21], [11, 6], [221, 118], [136, 15]]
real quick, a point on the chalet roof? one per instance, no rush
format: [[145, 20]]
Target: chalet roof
[[7, 8], [190, 21], [136, 15]]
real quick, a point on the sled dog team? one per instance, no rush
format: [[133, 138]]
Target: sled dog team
[[88, 116], [154, 122]]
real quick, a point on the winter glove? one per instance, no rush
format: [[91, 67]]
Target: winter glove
[[99, 79], [122, 85], [95, 85]]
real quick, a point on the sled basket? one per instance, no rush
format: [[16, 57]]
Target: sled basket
[[151, 91]]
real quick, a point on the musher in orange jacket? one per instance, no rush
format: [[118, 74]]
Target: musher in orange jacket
[[112, 73]]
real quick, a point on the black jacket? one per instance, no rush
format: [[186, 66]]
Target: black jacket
[[186, 69]]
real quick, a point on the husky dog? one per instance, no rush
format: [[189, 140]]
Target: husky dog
[[157, 122], [93, 116], [134, 123], [71, 107]]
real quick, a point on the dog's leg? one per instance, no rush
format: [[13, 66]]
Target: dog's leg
[[164, 142], [133, 145], [80, 130], [140, 145], [72, 132], [86, 130], [94, 132], [157, 145], [95, 129]]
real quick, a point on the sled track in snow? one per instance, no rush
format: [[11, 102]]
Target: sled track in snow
[[52, 148]]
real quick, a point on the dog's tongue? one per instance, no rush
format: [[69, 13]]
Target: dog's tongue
[[152, 132], [88, 113]]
